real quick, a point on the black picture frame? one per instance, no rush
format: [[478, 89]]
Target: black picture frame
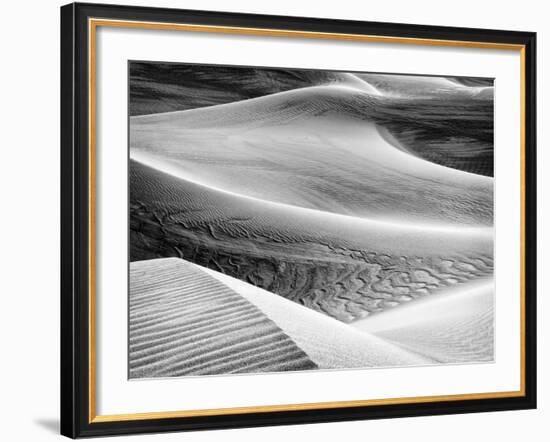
[[76, 403]]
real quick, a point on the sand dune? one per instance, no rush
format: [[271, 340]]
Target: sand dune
[[454, 326], [307, 219], [426, 113], [186, 320], [343, 266], [182, 321], [277, 148], [328, 342], [447, 121], [417, 86], [164, 87]]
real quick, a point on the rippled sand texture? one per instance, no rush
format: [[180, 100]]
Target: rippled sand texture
[[448, 121], [316, 147], [188, 320], [343, 266], [183, 321], [350, 194]]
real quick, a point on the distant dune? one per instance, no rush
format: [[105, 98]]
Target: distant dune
[[343, 266], [278, 148], [163, 87], [185, 320], [417, 86], [445, 120]]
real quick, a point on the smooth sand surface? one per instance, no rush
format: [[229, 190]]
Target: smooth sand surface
[[453, 326], [316, 148], [414, 86]]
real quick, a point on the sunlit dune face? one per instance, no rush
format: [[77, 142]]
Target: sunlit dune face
[[316, 148]]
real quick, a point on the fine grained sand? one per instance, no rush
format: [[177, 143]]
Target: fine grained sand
[[299, 193], [187, 320], [328, 342], [352, 197], [454, 326], [163, 87], [415, 86], [343, 266], [447, 121], [315, 148], [184, 322]]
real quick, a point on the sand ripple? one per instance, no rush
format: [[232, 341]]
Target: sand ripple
[[183, 321]]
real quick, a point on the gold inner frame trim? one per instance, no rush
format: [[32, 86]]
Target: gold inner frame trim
[[93, 24]]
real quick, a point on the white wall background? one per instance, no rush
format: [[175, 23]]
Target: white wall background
[[29, 221]]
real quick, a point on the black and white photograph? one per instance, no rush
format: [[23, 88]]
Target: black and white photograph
[[286, 219]]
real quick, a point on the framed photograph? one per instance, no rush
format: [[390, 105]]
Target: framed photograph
[[275, 220]]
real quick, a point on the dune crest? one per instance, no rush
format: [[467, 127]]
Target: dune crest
[[184, 322], [343, 266], [187, 320], [417, 86], [278, 148]]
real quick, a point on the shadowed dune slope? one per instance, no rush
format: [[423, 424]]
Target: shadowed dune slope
[[455, 326], [316, 148], [343, 266], [190, 204], [447, 121], [163, 87], [185, 322]]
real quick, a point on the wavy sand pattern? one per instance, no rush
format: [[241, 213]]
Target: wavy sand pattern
[[363, 198], [342, 266], [183, 321]]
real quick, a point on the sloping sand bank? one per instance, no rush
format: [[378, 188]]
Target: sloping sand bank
[[454, 326], [343, 266], [184, 322], [187, 320], [328, 342], [316, 148]]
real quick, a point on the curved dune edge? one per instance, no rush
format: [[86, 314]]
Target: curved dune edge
[[217, 206], [328, 342], [187, 87], [417, 86], [183, 321], [277, 148], [343, 266], [456, 325], [188, 320]]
